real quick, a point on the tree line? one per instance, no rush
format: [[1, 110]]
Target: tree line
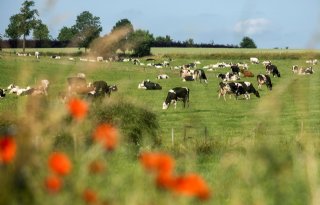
[[85, 33]]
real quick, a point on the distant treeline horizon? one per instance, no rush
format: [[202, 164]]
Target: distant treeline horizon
[[70, 44]]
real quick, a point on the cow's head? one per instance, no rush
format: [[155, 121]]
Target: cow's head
[[165, 105]]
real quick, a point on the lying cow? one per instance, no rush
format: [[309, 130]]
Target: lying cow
[[148, 85], [100, 89], [200, 74], [78, 85], [177, 94], [264, 79], [188, 78], [163, 76], [270, 68]]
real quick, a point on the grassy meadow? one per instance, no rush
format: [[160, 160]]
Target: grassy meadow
[[258, 151]]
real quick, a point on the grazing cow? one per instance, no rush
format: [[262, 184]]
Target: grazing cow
[[163, 76], [148, 85], [235, 69], [313, 62], [254, 60], [100, 59], [100, 89], [248, 88], [270, 68], [305, 71], [230, 88], [37, 54], [177, 94], [2, 93], [265, 63], [264, 79], [200, 74]]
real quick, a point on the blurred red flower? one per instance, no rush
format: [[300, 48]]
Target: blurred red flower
[[159, 162], [53, 183], [107, 135], [89, 196], [59, 163], [96, 167], [191, 185], [8, 149], [78, 108]]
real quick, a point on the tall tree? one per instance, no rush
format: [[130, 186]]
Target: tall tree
[[141, 42], [41, 32], [247, 43], [13, 31], [123, 28], [88, 28], [123, 23], [66, 34], [27, 17]]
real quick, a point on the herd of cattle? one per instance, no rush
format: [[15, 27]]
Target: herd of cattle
[[229, 84]]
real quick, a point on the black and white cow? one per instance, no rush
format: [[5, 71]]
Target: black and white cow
[[2, 93], [200, 74], [270, 68], [148, 85], [163, 76], [249, 88], [228, 77], [177, 94], [235, 69], [188, 78], [100, 89], [264, 79], [232, 88]]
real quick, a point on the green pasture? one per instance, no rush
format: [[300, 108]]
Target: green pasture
[[259, 151]]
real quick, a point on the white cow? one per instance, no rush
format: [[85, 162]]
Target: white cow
[[254, 60]]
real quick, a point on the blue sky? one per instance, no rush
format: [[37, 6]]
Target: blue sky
[[270, 23]]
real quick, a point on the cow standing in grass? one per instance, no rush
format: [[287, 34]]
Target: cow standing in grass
[[176, 94]]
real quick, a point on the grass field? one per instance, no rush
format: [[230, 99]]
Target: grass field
[[257, 151]]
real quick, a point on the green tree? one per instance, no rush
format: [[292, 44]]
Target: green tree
[[13, 30], [123, 23], [163, 41], [247, 43], [88, 28], [41, 32], [189, 42], [141, 42], [66, 34], [23, 23]]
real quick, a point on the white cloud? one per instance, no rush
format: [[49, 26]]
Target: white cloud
[[251, 26]]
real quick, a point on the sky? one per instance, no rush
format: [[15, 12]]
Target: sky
[[270, 23]]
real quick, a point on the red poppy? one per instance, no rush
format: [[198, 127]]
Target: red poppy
[[59, 163], [8, 148], [158, 162], [53, 184], [90, 196], [107, 135], [164, 180], [96, 167], [78, 108], [191, 185]]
